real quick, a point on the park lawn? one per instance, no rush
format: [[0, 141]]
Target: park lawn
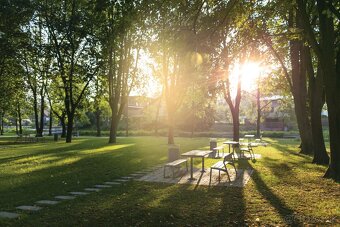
[[285, 188]]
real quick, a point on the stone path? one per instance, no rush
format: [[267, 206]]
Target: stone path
[[64, 197], [236, 180], [47, 202], [29, 208], [73, 195], [4, 214]]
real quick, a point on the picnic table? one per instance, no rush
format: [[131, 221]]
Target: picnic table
[[196, 154]]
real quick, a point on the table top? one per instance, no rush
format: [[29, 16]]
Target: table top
[[231, 142], [249, 136], [196, 153]]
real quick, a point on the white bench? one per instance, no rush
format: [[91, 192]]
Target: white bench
[[175, 165], [222, 166]]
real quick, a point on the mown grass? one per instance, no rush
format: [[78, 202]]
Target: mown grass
[[285, 189]]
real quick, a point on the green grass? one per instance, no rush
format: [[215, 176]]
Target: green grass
[[285, 187]]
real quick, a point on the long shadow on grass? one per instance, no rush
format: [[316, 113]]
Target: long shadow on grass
[[286, 213], [88, 170]]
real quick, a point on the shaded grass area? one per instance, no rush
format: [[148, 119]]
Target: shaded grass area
[[285, 188]]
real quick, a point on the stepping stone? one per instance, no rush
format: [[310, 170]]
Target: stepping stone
[[47, 202], [122, 180], [137, 174], [65, 197], [112, 183], [92, 189], [4, 214], [102, 186], [127, 178], [29, 208], [79, 193]]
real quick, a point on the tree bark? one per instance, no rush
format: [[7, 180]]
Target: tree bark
[[51, 123], [316, 103], [42, 113], [113, 130], [70, 118], [63, 125], [258, 120], [299, 91], [329, 59], [19, 119], [98, 122]]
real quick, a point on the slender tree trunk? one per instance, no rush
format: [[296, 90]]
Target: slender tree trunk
[[36, 115], [19, 119], [51, 123], [98, 122], [171, 123], [16, 126], [42, 115], [157, 116], [258, 120], [2, 123]]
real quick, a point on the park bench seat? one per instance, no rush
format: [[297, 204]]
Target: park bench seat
[[249, 149], [222, 166], [175, 165]]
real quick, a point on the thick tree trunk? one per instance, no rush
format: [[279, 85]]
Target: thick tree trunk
[[299, 91], [171, 123], [63, 126], [316, 104], [113, 130], [331, 73], [236, 124], [70, 118]]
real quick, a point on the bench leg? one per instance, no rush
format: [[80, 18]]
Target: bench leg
[[210, 176]]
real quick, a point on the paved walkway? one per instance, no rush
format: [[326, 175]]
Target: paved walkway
[[201, 179]]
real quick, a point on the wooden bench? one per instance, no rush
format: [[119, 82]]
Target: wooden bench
[[218, 150], [175, 165], [222, 166]]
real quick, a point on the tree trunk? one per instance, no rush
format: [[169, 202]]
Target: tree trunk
[[19, 119], [16, 126], [236, 124], [36, 115], [171, 122], [113, 130], [98, 123], [70, 118], [299, 91], [258, 120], [42, 113], [63, 126], [51, 123], [2, 123], [331, 73], [316, 104]]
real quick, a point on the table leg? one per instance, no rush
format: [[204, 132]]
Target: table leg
[[203, 165], [191, 169]]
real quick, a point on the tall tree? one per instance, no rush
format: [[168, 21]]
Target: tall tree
[[324, 46], [70, 28]]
